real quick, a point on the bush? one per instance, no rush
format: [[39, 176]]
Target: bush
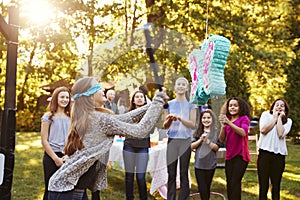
[[28, 121]]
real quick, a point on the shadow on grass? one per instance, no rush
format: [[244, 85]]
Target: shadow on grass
[[28, 183]]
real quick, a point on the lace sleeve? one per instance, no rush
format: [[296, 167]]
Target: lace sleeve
[[133, 116], [113, 125]]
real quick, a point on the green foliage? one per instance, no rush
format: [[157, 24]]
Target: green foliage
[[262, 64], [292, 71], [292, 94], [28, 120]]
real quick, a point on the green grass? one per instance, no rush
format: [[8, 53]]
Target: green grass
[[28, 175]]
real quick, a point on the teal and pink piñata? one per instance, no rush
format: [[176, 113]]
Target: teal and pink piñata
[[206, 67]]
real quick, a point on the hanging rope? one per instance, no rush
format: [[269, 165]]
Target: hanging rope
[[206, 25]]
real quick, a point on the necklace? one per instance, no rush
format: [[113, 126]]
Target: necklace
[[206, 131]]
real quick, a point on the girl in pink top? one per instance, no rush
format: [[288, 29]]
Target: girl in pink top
[[234, 131]]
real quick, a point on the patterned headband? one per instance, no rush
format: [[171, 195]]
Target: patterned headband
[[89, 92]]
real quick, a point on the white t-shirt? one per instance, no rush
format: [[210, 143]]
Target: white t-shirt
[[271, 142]]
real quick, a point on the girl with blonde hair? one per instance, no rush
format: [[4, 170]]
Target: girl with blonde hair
[[180, 120]]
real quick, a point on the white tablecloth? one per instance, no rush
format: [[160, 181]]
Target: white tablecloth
[[157, 167], [116, 149]]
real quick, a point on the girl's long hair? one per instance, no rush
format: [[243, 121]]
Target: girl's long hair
[[53, 105], [81, 109], [132, 104], [200, 130]]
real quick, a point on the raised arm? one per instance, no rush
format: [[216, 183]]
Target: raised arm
[[196, 143], [267, 125], [114, 126], [279, 126], [222, 135], [169, 119], [133, 116], [242, 131]]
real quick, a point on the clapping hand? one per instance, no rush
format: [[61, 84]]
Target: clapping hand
[[223, 119], [277, 114], [280, 115], [203, 137], [171, 117]]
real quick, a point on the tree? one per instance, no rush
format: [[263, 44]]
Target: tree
[[46, 55], [293, 70], [260, 67]]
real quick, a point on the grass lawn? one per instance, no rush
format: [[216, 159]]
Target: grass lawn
[[28, 175]]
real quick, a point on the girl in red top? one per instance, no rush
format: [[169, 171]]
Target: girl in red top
[[234, 131]]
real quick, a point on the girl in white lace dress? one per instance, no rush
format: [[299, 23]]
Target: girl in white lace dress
[[91, 136]]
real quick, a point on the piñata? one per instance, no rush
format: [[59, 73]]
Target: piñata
[[206, 67]]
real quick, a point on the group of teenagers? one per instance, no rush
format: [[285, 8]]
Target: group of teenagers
[[77, 136]]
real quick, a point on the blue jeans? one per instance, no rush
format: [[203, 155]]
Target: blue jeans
[[136, 161], [76, 194]]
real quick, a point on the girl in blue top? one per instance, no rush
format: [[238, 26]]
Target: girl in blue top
[[205, 142], [180, 119], [54, 132]]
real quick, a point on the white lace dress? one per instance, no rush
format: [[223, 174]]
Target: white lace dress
[[99, 139]]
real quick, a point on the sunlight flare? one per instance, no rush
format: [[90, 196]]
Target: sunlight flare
[[21, 147], [252, 190], [291, 176], [220, 180], [33, 162], [38, 11]]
